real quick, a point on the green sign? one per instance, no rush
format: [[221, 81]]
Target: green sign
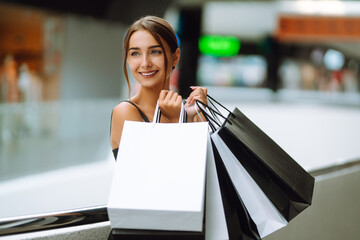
[[219, 46]]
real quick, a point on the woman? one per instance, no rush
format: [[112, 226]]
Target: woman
[[152, 52]]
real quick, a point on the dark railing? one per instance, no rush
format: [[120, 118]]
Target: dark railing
[[53, 220]]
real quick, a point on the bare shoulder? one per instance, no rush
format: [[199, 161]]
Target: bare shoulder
[[125, 111], [122, 112]]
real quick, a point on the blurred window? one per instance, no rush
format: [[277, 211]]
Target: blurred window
[[238, 71]]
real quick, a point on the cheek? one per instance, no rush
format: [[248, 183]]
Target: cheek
[[132, 65], [158, 61]]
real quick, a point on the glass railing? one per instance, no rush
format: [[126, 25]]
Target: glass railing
[[36, 138], [55, 160]]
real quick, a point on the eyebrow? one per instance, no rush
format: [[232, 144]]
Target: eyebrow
[[154, 46]]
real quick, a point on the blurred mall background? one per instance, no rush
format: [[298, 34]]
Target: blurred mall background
[[292, 66]]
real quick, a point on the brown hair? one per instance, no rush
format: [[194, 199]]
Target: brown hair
[[157, 27]]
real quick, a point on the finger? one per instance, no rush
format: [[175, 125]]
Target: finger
[[178, 99], [169, 95], [199, 97], [192, 95], [197, 87], [201, 89], [163, 95], [188, 100], [202, 92], [174, 97], [203, 96]]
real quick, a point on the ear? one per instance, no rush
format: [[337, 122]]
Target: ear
[[176, 57]]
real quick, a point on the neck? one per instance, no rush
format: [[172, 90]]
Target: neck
[[148, 97]]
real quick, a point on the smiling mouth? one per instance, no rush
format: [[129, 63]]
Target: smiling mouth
[[148, 74]]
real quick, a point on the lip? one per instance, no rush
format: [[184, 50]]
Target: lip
[[148, 74]]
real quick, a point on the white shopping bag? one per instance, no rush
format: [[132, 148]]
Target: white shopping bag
[[215, 221], [264, 214], [159, 178]]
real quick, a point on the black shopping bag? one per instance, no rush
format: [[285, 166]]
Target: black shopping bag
[[287, 185], [239, 223]]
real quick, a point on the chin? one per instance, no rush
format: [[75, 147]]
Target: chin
[[151, 83]]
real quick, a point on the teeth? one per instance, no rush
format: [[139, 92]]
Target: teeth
[[148, 74]]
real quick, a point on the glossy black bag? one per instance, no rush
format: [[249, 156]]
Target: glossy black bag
[[287, 185], [239, 223]]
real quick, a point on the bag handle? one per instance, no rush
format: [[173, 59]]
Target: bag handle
[[212, 100], [157, 114], [212, 113], [214, 122]]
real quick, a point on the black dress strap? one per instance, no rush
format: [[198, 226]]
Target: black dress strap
[[141, 113], [115, 151]]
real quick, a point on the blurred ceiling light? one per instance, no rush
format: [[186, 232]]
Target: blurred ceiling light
[[334, 60], [308, 7]]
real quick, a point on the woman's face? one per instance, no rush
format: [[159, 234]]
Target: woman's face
[[146, 59]]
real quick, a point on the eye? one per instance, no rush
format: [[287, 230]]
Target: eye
[[156, 52], [134, 54]]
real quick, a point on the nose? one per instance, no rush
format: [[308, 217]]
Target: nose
[[146, 61]]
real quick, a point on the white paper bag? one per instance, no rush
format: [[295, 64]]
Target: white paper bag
[[264, 214], [159, 178], [215, 222]]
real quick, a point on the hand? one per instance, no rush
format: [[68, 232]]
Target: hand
[[170, 105], [200, 94]]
